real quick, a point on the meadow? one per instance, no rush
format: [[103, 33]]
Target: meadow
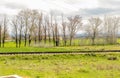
[[61, 66], [89, 65], [78, 45], [60, 49]]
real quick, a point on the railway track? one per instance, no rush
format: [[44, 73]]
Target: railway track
[[67, 52]]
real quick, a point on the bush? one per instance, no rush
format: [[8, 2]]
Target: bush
[[112, 58], [37, 77]]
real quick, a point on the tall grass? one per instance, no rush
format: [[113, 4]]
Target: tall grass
[[61, 66]]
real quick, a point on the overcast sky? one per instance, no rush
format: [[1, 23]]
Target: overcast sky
[[82, 7]]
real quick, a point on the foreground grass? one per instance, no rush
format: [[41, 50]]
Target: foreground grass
[[61, 66]]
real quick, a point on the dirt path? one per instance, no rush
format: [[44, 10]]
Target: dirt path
[[42, 53]]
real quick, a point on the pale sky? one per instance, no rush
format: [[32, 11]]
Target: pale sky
[[81, 7]]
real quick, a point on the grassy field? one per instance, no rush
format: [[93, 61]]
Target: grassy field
[[60, 49], [61, 66], [49, 47]]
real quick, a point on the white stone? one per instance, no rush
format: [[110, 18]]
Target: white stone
[[11, 76]]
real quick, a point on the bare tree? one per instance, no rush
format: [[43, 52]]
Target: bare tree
[[32, 27], [56, 33], [14, 23], [48, 29], [40, 27], [35, 33], [35, 29], [111, 25], [64, 30], [73, 26], [5, 22], [94, 28], [25, 14], [20, 28], [52, 27], [45, 28]]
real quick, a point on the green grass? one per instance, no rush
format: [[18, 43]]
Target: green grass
[[61, 66], [60, 49], [49, 47]]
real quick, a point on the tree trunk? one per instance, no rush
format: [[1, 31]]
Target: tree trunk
[[3, 41], [39, 34], [93, 41], [35, 40], [45, 38], [25, 40], [29, 39], [70, 41], [20, 40], [16, 40], [53, 38]]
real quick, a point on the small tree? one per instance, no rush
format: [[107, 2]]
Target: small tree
[[45, 29], [94, 28], [56, 33], [52, 27], [20, 28], [40, 16], [14, 23], [64, 30], [25, 14], [73, 26], [5, 22], [111, 26], [48, 29]]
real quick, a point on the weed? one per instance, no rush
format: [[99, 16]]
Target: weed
[[112, 58]]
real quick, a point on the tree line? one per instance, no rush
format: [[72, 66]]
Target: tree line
[[34, 26]]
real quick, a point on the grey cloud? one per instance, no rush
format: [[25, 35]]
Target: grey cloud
[[56, 12], [2, 3], [110, 3], [15, 6], [97, 11], [105, 7], [67, 1], [71, 1]]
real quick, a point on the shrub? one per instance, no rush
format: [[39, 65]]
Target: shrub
[[112, 58], [37, 77]]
